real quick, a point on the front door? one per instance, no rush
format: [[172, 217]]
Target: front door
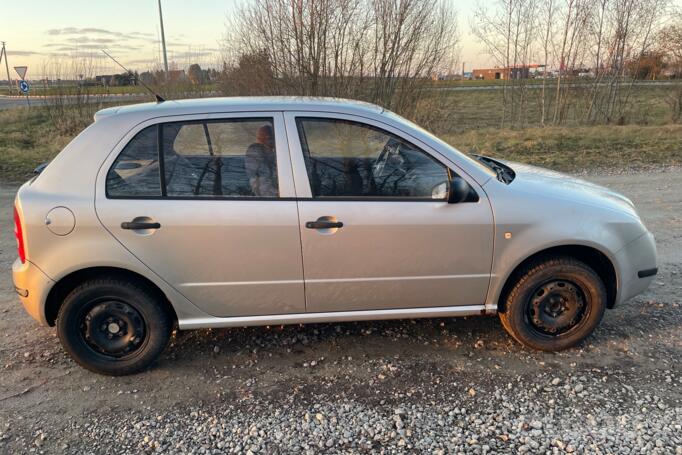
[[208, 206], [377, 231]]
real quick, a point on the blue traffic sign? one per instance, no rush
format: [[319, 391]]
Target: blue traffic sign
[[24, 87]]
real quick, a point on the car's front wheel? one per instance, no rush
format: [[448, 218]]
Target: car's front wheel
[[554, 304], [113, 326]]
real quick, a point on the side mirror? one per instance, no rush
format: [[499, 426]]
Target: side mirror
[[459, 190]]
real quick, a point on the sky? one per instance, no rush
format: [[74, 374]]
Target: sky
[[40, 33]]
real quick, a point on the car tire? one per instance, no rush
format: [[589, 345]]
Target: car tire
[[114, 326], [554, 304]]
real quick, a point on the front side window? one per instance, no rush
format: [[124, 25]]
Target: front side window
[[226, 158], [351, 159], [135, 173]]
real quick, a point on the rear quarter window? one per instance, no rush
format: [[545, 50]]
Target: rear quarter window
[[135, 173]]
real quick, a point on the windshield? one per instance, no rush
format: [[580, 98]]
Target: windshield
[[442, 143]]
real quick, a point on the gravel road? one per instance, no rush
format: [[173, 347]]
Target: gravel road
[[433, 386]]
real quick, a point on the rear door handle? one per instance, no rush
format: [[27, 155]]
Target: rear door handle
[[323, 224], [139, 225]]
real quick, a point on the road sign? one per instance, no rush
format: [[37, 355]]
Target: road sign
[[24, 87], [21, 71]]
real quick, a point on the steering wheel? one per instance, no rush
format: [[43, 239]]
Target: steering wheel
[[395, 166], [390, 151]]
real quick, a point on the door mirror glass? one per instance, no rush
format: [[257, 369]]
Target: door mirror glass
[[460, 190], [440, 191]]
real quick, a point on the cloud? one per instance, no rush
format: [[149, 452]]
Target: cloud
[[141, 34], [80, 47], [76, 55], [79, 40], [190, 54], [82, 31], [70, 31], [143, 64], [170, 43], [23, 53], [93, 47]]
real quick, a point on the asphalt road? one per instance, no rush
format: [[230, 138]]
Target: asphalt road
[[7, 102], [427, 386]]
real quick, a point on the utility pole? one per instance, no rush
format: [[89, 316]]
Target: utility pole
[[9, 81], [163, 42]]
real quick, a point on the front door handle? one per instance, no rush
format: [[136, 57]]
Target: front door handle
[[139, 225], [322, 224]]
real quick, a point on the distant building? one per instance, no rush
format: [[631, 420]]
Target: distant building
[[445, 77], [506, 73], [177, 75], [113, 80], [105, 80]]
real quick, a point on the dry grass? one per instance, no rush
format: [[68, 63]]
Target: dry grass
[[466, 110], [578, 148], [27, 138]]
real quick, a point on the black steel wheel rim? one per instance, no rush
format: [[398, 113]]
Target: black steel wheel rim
[[113, 328], [557, 307]]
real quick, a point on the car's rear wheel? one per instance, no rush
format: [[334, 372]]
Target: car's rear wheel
[[113, 326], [554, 304]]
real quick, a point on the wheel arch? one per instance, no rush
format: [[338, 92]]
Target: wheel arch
[[67, 283], [591, 256]]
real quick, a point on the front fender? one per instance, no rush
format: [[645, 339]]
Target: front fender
[[527, 224]]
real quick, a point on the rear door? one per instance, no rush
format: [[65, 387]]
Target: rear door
[[376, 228], [207, 203]]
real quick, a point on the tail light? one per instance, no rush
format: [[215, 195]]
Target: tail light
[[19, 234]]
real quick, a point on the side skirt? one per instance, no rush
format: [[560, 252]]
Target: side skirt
[[336, 316]]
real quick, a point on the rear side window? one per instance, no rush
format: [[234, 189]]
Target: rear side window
[[135, 173], [225, 158]]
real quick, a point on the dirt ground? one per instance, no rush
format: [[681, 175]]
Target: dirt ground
[[48, 403]]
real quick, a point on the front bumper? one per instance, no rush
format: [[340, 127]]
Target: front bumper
[[637, 263], [32, 286]]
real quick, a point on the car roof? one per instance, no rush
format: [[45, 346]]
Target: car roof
[[235, 104]]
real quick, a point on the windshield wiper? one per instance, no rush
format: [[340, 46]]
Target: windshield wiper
[[504, 173]]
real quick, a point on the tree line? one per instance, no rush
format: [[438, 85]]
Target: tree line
[[614, 41], [388, 51]]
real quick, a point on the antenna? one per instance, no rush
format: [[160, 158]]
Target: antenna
[[158, 97]]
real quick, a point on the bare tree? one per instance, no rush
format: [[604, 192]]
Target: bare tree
[[384, 51], [622, 34], [508, 32], [548, 9], [574, 14], [670, 44], [412, 38], [71, 103]]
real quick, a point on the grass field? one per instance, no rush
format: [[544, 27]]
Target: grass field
[[469, 120], [578, 148], [475, 109], [27, 138]]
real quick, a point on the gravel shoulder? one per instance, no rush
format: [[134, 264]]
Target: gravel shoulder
[[437, 386]]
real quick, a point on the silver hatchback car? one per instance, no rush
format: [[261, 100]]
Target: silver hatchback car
[[259, 211]]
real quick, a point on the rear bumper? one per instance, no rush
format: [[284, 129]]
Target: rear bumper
[[32, 286], [637, 263]]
